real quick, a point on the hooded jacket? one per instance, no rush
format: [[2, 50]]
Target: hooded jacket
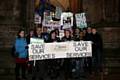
[[20, 48]]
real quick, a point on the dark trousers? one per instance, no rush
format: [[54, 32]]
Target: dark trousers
[[88, 65], [20, 67], [38, 70], [97, 61]]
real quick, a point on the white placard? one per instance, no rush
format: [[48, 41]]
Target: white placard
[[37, 19], [36, 41], [67, 20], [48, 22], [60, 50], [81, 20], [58, 12]]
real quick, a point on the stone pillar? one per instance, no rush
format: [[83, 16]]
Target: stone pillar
[[30, 14]]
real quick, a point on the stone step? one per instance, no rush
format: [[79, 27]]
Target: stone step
[[7, 71], [112, 62]]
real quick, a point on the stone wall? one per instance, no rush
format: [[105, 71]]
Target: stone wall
[[111, 36], [101, 10], [10, 21], [8, 33]]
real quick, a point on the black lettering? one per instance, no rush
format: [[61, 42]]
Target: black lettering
[[37, 51], [69, 55]]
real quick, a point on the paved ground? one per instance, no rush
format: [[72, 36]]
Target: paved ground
[[111, 69]]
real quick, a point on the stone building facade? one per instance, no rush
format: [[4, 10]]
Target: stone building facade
[[16, 14]]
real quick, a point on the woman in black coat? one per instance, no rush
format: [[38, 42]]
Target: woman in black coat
[[67, 62], [53, 64]]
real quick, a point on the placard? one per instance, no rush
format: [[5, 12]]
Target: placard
[[81, 20], [67, 20], [60, 50]]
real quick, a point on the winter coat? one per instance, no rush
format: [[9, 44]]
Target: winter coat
[[20, 48]]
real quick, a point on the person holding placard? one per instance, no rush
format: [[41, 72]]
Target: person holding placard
[[76, 33], [66, 62], [54, 64], [39, 67], [78, 64]]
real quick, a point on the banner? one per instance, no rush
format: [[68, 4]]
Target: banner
[[81, 20], [60, 50]]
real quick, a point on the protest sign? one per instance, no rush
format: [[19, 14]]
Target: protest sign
[[36, 41], [60, 50], [81, 20], [67, 20], [49, 22], [58, 12], [37, 19], [80, 49]]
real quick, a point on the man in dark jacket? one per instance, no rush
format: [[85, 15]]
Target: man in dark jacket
[[97, 50], [89, 37]]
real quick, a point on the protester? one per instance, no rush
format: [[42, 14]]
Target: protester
[[76, 33], [38, 32], [45, 34], [53, 37], [67, 36], [89, 37], [97, 51], [80, 36], [84, 31], [30, 63], [54, 64], [21, 55], [57, 32], [30, 35], [67, 63], [39, 67], [78, 64]]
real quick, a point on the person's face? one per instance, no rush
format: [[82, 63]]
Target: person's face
[[31, 33], [67, 33], [57, 32], [81, 34], [53, 35], [39, 31], [94, 31], [22, 34], [89, 30], [77, 31], [45, 29], [84, 31]]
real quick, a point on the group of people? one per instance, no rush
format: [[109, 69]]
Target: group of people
[[71, 67]]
